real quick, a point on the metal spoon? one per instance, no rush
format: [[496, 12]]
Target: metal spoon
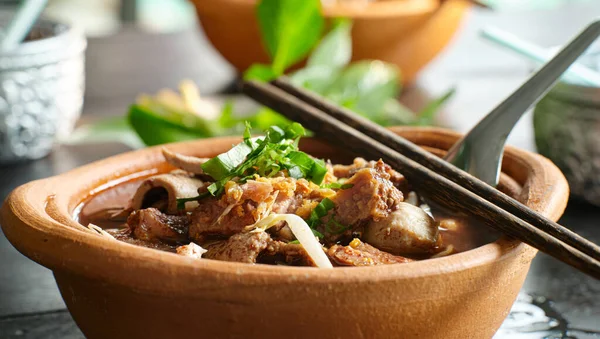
[[480, 152]]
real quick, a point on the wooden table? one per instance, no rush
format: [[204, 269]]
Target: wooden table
[[121, 66]]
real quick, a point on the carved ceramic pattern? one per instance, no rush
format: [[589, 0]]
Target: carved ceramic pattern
[[38, 105], [41, 91], [568, 133]]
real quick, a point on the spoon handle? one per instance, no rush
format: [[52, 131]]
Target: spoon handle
[[480, 151], [506, 115]]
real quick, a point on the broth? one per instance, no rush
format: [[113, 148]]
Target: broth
[[463, 233]]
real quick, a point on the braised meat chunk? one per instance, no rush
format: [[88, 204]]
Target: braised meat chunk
[[347, 171], [152, 225], [408, 230], [242, 247], [288, 253], [357, 253], [370, 196], [245, 204]]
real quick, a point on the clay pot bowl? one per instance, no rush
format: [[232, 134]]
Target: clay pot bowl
[[117, 290], [407, 33]]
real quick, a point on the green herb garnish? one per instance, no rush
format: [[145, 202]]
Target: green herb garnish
[[335, 227], [337, 186], [264, 156], [317, 213]]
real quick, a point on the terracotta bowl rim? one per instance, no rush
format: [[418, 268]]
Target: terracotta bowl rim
[[377, 9], [65, 230]]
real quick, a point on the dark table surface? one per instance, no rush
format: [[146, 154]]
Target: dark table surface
[[121, 66]]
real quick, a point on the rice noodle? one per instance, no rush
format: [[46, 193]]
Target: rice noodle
[[446, 252], [301, 231], [100, 231], [427, 209]]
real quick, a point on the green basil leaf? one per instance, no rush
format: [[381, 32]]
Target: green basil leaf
[[260, 72], [365, 86], [290, 29], [315, 78], [427, 115], [394, 113], [335, 49]]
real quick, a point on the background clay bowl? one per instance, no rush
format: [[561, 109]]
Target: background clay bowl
[[408, 33], [567, 131], [117, 290]]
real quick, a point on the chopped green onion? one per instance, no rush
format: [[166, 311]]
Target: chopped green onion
[[223, 164], [339, 227], [318, 172], [337, 186], [317, 213], [265, 157]]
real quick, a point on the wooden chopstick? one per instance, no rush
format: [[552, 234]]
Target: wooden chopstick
[[440, 166], [436, 187]]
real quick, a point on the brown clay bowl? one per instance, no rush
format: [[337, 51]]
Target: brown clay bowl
[[407, 33], [117, 290]]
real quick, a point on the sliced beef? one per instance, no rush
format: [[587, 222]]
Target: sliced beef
[[371, 197], [243, 205], [151, 225], [216, 218], [283, 252], [357, 253], [347, 171], [241, 247]]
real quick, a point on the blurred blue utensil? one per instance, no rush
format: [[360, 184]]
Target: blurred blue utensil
[[577, 73], [480, 151], [20, 25]]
